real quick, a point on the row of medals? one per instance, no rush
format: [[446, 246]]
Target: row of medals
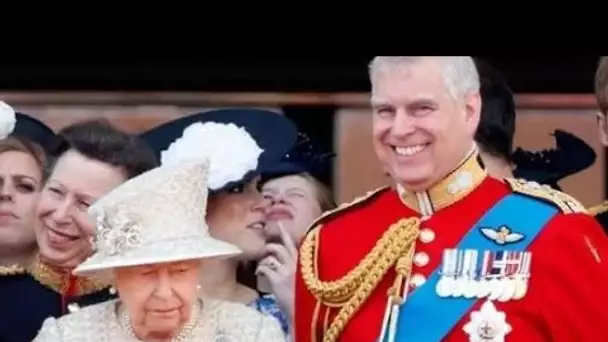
[[460, 281]]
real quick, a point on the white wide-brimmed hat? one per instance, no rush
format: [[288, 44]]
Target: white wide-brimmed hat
[[156, 217]]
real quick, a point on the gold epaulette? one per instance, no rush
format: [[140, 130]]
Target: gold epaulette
[[598, 209], [346, 205], [12, 270], [566, 203]]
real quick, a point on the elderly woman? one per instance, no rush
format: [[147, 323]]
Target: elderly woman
[[151, 237], [247, 142], [89, 159], [22, 166]]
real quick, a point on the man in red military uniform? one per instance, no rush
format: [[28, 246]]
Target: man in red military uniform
[[448, 253], [600, 211]]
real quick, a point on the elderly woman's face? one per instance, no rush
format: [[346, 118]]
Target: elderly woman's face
[[63, 229], [237, 217], [293, 203], [20, 184], [158, 298]]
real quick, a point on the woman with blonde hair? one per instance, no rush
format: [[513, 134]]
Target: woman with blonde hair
[[298, 191], [151, 237]]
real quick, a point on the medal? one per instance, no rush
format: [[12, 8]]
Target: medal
[[483, 286], [513, 267], [443, 288], [522, 276], [496, 288], [521, 287], [502, 268], [445, 284], [501, 275], [471, 283], [508, 290], [459, 284]]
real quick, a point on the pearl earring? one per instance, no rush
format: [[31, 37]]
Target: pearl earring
[[112, 290]]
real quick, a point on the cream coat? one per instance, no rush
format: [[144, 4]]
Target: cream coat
[[219, 322]]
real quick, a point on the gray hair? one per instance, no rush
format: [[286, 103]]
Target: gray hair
[[459, 72]]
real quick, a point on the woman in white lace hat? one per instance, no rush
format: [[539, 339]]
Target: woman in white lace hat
[[241, 143], [151, 236]]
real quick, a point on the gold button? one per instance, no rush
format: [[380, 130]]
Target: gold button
[[421, 259], [417, 280], [427, 235]]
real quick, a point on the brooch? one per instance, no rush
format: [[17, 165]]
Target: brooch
[[487, 324]]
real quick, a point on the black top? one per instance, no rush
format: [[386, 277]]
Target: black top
[[525, 74], [25, 303]]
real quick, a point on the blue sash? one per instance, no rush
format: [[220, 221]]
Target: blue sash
[[427, 317]]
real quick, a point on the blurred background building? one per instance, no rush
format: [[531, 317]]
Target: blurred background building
[[327, 97]]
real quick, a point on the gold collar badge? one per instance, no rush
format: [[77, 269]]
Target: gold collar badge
[[457, 185]]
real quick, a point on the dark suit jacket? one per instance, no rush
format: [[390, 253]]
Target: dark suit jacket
[[29, 296]]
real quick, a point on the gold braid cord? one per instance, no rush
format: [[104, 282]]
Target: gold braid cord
[[566, 203], [12, 270], [352, 290]]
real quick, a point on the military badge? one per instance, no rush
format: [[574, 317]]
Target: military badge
[[487, 324], [496, 275], [463, 181], [503, 235]]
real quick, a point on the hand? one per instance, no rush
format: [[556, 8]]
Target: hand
[[279, 267]]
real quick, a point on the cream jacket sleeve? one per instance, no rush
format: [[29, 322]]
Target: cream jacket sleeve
[[244, 324], [270, 330], [49, 332], [220, 322]]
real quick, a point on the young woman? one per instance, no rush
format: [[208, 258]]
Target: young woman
[[22, 168], [298, 193]]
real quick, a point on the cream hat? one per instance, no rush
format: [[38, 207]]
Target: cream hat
[[156, 217]]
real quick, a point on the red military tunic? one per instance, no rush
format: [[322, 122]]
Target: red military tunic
[[567, 298]]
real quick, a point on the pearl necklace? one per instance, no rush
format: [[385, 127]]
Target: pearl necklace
[[184, 333]]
